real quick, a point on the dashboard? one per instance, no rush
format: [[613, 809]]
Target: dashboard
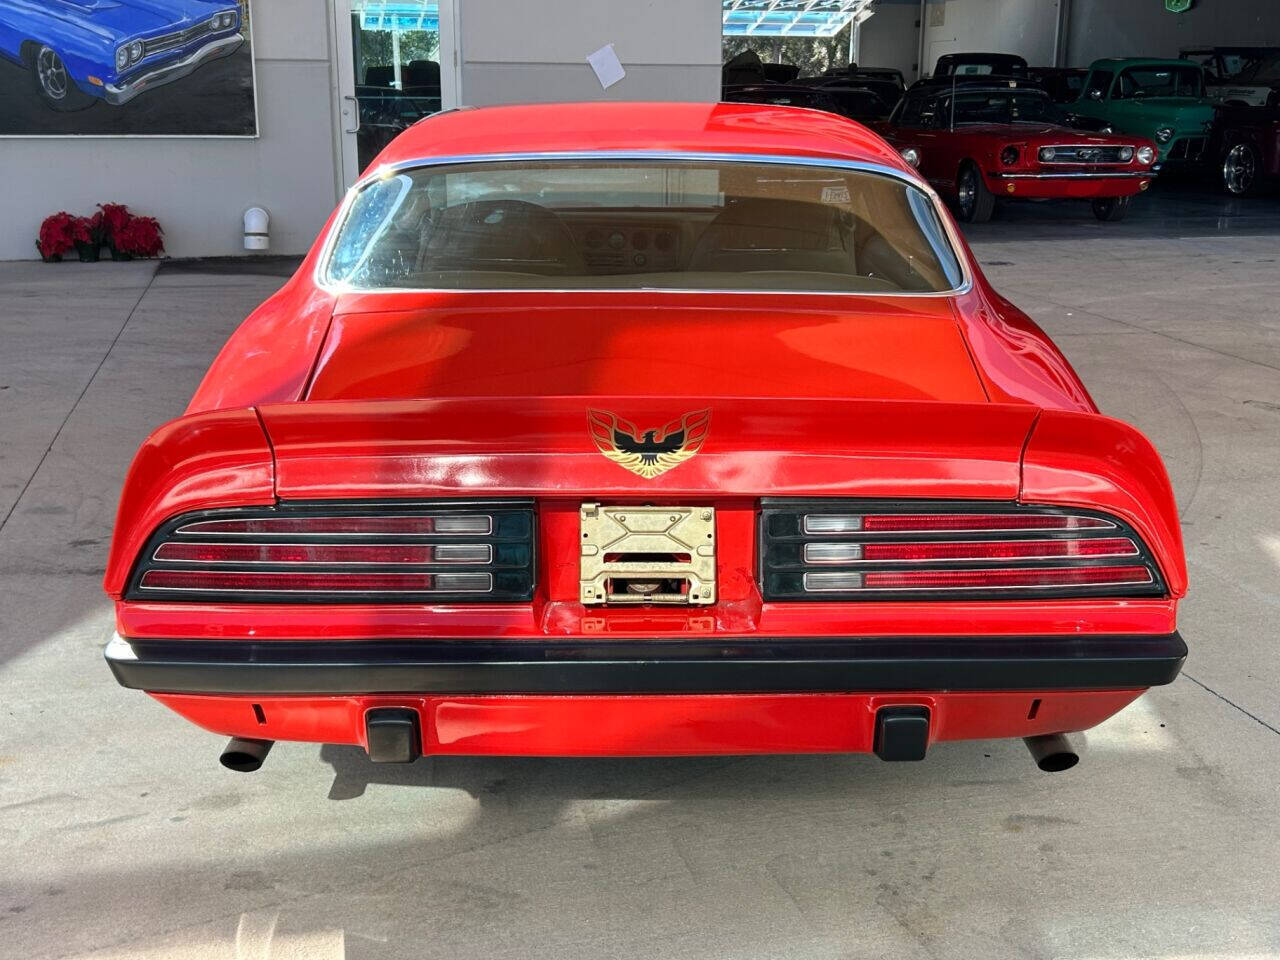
[[620, 247]]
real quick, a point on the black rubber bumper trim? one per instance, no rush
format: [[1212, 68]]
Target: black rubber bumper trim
[[659, 666]]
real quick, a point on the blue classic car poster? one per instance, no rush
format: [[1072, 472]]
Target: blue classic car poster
[[126, 68]]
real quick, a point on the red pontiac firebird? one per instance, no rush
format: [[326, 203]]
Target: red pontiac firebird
[[984, 140], [643, 429]]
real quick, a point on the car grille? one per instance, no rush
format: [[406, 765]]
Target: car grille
[[1085, 153], [1187, 148], [172, 41]]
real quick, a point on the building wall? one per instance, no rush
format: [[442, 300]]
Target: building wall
[[1107, 28], [535, 51], [1024, 27], [890, 38], [199, 188]]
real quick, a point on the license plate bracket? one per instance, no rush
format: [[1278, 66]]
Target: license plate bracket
[[647, 555]]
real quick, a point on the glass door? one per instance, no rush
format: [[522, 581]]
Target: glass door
[[389, 73]]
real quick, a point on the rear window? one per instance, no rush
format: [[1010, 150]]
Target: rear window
[[632, 224], [1138, 82]]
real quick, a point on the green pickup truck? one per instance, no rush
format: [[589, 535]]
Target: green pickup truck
[[1160, 99]]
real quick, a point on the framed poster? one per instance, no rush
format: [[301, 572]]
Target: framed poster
[[127, 68]]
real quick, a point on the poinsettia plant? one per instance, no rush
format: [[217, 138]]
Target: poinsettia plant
[[57, 235], [113, 218], [139, 237], [113, 224]]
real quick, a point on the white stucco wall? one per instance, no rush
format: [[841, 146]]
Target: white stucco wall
[[199, 188], [534, 51], [890, 38], [1024, 27]]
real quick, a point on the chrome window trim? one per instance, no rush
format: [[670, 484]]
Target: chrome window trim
[[958, 249]]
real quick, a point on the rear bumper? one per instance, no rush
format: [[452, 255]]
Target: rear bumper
[[595, 725], [824, 665]]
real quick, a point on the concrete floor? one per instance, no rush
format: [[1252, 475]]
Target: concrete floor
[[120, 836]]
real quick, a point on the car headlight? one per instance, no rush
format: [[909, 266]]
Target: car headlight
[[1164, 134], [1146, 154], [912, 156], [1047, 154], [1009, 156], [1126, 154], [122, 57], [222, 21]]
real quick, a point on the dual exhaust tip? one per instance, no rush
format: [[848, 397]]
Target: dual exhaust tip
[[901, 734]]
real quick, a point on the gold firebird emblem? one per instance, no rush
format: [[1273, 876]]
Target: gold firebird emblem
[[652, 452]]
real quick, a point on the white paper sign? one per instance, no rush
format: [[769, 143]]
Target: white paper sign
[[607, 66]]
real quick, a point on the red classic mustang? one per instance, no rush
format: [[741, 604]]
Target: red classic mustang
[[986, 140], [635, 429]]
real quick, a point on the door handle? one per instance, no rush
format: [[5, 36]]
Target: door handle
[[355, 107]]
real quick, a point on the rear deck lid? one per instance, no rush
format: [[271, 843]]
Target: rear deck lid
[[644, 344]]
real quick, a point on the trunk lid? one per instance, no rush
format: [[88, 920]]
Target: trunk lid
[[644, 345]]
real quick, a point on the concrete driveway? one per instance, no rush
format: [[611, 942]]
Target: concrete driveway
[[121, 836]]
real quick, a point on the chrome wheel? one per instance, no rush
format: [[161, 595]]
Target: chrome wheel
[[967, 193], [1240, 170], [51, 73]]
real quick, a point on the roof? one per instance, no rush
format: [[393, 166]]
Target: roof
[[730, 128]]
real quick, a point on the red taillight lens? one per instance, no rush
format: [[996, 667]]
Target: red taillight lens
[[1002, 550], [478, 524], [979, 522], [364, 554], [221, 582], [1033, 577], [821, 549], [374, 553]]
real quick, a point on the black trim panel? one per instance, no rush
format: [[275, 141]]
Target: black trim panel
[[1071, 662]]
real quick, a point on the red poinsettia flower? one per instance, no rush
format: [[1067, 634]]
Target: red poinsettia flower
[[56, 234], [114, 217], [140, 237]]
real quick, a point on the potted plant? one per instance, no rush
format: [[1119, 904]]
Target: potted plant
[[56, 236], [139, 237], [86, 234], [114, 217]]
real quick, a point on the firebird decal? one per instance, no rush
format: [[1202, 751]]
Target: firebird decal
[[655, 451]]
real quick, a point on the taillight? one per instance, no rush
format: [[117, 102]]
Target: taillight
[[834, 550], [324, 553]]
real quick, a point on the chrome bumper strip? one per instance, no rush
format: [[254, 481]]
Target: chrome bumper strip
[[124, 92]]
